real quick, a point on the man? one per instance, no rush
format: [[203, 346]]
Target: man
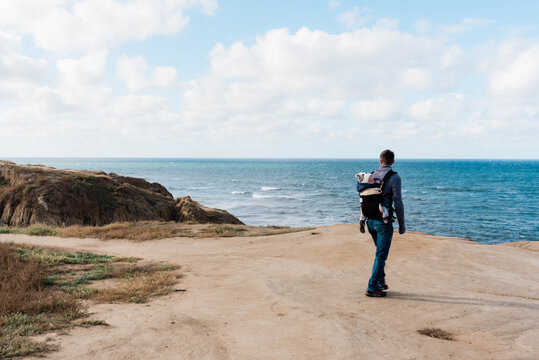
[[380, 230]]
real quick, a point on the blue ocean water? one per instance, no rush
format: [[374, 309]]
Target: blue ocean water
[[490, 201]]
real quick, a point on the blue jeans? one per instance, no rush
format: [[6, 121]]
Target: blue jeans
[[381, 236]]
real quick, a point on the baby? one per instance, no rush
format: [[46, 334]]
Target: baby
[[367, 185]]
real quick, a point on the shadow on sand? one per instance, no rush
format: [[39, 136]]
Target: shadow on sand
[[444, 299]]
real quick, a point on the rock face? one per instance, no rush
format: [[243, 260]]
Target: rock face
[[188, 210], [31, 194]]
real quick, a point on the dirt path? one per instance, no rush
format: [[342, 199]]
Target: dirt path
[[300, 296]]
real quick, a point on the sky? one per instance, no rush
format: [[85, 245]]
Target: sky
[[269, 79]]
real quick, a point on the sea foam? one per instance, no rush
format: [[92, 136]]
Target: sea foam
[[269, 188]]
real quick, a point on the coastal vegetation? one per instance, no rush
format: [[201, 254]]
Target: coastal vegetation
[[151, 230], [44, 290]]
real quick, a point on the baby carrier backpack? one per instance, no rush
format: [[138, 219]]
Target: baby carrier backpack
[[370, 193]]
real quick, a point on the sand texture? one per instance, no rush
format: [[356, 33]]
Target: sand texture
[[301, 296]]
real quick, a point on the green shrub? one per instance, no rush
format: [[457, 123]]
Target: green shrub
[[49, 257], [16, 345], [39, 231], [28, 188], [4, 230]]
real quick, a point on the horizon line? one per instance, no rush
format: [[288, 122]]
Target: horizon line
[[254, 158]]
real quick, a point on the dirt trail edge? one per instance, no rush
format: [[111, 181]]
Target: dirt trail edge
[[300, 296]]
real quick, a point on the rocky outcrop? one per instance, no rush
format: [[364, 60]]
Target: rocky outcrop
[[188, 210], [31, 194]]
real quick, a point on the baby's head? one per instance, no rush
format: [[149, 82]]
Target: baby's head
[[366, 178]]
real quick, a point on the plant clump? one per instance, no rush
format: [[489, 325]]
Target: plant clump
[[436, 333], [43, 290]]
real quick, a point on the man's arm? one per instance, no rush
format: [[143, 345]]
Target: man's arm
[[397, 201]]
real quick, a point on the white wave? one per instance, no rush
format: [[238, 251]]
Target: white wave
[[267, 196], [269, 188], [239, 192], [261, 196]]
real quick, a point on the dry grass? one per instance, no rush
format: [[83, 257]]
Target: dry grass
[[141, 282], [130, 270], [150, 230], [28, 306], [14, 345], [18, 279], [137, 283], [223, 231], [41, 290], [140, 288], [216, 231], [278, 230], [436, 333], [141, 231], [23, 287], [136, 231]]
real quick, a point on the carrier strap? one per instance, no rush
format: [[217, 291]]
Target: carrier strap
[[386, 177]]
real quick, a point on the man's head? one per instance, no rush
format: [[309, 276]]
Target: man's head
[[387, 157]]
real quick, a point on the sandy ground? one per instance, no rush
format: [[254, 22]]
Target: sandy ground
[[301, 296]]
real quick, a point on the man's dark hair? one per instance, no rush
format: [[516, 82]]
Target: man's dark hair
[[387, 157]]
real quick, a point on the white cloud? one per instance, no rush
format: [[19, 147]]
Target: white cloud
[[520, 77], [312, 107], [422, 25], [164, 76], [66, 96], [317, 75], [380, 109], [284, 88], [88, 69], [333, 4], [354, 18], [465, 25], [19, 74], [386, 23], [442, 109], [90, 25], [137, 75], [417, 78], [508, 118], [80, 84]]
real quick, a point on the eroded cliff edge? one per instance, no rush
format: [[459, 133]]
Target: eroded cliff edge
[[36, 194]]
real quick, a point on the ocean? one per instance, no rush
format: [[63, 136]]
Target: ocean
[[489, 201]]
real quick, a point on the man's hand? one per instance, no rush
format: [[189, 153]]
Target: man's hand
[[402, 231], [362, 226]]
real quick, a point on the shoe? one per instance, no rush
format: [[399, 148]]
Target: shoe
[[377, 293]]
